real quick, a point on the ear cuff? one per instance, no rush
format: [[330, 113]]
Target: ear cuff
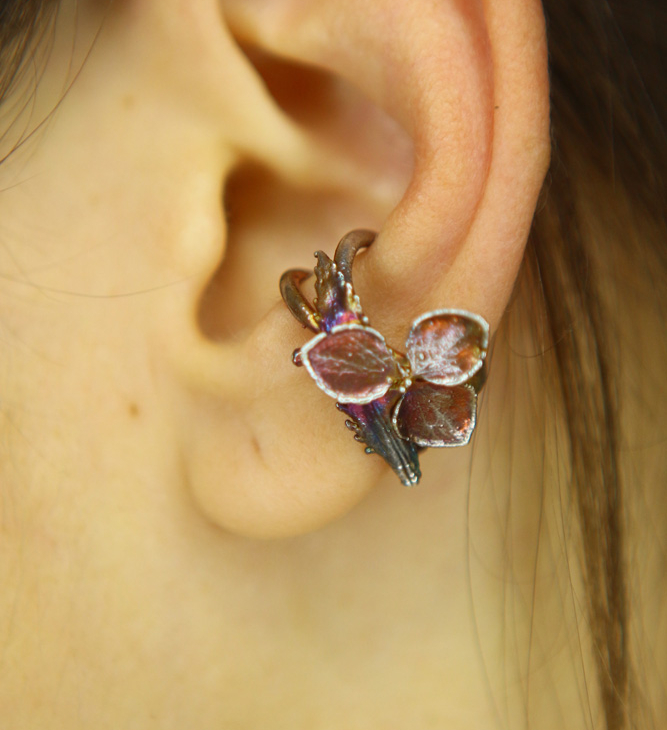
[[397, 403]]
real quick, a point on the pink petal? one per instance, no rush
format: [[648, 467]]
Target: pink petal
[[435, 416], [447, 347], [351, 364]]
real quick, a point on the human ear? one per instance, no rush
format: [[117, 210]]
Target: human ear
[[264, 451]]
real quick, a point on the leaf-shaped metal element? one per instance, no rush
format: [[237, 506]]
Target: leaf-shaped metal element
[[432, 415], [447, 346], [373, 426], [352, 363]]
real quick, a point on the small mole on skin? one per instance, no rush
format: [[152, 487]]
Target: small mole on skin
[[128, 101], [133, 410]]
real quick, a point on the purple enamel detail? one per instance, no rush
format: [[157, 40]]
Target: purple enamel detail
[[352, 364], [372, 425], [431, 415], [447, 347], [336, 303]]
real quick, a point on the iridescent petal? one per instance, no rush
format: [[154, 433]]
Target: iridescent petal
[[431, 415], [447, 347], [351, 364]]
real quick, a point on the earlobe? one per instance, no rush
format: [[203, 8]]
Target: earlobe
[[270, 456]]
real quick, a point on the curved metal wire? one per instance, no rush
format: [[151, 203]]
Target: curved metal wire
[[297, 304], [291, 280], [348, 247]]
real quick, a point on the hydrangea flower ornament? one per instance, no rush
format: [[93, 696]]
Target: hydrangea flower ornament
[[397, 403]]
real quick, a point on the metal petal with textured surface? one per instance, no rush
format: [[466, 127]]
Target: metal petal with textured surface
[[352, 363], [448, 346], [435, 416]]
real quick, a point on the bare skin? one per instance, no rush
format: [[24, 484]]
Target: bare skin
[[155, 433]]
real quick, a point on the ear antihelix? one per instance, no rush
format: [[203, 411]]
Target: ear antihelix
[[430, 69]]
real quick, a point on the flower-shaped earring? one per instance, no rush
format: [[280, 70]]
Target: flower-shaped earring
[[397, 403]]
